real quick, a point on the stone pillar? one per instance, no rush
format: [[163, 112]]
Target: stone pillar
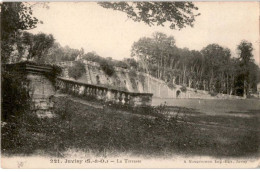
[[127, 97], [123, 98], [109, 95], [116, 96], [120, 97]]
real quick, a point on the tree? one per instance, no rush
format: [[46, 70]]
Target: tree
[[216, 58], [245, 50], [131, 62], [178, 14], [70, 54], [57, 53], [37, 45], [15, 17], [121, 64], [107, 67], [92, 56], [77, 70], [154, 51]]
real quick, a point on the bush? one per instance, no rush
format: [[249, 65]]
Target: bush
[[77, 70], [213, 93], [171, 85], [107, 67], [16, 105], [132, 73], [16, 100], [142, 79], [122, 64], [183, 89], [133, 77]]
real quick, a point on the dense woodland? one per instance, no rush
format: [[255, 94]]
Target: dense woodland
[[212, 69]]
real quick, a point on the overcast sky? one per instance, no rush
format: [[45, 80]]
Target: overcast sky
[[111, 34]]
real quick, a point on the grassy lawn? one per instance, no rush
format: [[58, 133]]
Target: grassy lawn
[[245, 108], [242, 114], [161, 131]]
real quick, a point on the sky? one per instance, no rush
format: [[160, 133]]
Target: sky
[[111, 34]]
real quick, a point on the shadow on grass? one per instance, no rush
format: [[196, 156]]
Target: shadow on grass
[[249, 112], [109, 130]]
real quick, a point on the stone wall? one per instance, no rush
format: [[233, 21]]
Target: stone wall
[[41, 91], [142, 83]]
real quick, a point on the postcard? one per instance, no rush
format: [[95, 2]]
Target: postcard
[[138, 84]]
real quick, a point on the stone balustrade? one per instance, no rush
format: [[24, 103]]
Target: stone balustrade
[[103, 93]]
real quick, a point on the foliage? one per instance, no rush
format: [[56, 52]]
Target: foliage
[[15, 17], [171, 85], [131, 62], [37, 45], [246, 58], [31, 133], [57, 53], [183, 89], [213, 93], [92, 56], [245, 49], [178, 14], [16, 99], [107, 67], [133, 83], [121, 64], [154, 51], [77, 70], [142, 79], [210, 69], [132, 73], [133, 77]]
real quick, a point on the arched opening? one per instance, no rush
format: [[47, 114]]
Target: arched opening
[[97, 78], [125, 82], [178, 93]]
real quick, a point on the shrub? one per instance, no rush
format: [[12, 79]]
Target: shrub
[[213, 93], [183, 89], [77, 70], [16, 105], [16, 100], [132, 73], [134, 85], [122, 65], [171, 85], [92, 56], [142, 79], [131, 62], [107, 67]]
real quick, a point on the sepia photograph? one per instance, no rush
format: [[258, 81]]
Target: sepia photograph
[[130, 84]]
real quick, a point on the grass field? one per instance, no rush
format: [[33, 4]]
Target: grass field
[[243, 108], [226, 122], [233, 113], [187, 127]]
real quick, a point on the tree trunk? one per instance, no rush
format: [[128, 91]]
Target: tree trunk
[[184, 75], [245, 89], [190, 82]]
